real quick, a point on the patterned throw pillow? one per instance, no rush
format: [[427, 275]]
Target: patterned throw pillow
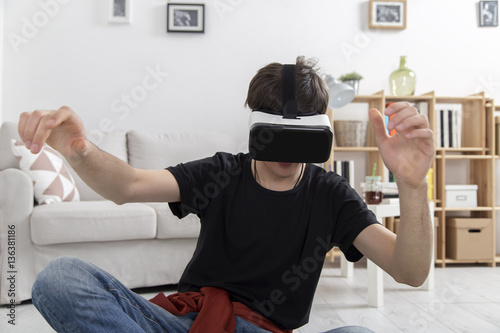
[[51, 178]]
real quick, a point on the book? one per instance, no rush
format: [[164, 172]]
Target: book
[[448, 125], [423, 108], [458, 126], [445, 143], [430, 182], [345, 169]]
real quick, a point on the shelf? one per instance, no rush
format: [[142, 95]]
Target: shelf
[[469, 209], [355, 149], [421, 98], [459, 100], [366, 98], [463, 150], [465, 156], [332, 254], [474, 162], [465, 261], [437, 202]]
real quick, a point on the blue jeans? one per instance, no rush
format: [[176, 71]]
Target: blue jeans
[[76, 296]]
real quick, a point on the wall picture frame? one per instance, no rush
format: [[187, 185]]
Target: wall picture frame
[[119, 11], [186, 17], [387, 14], [488, 13]]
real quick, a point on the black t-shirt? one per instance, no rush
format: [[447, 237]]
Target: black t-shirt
[[266, 248]]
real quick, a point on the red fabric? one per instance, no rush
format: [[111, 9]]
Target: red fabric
[[215, 311]]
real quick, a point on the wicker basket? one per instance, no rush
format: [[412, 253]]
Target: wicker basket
[[350, 133]]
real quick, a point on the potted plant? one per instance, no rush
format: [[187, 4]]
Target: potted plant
[[352, 79]]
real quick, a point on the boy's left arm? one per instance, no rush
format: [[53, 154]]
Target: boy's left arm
[[408, 154]]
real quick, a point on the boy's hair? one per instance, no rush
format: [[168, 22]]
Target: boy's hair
[[311, 91]]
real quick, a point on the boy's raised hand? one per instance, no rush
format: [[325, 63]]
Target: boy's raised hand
[[409, 153], [61, 129]]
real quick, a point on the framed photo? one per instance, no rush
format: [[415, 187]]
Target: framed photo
[[488, 13], [184, 17], [388, 14], [119, 11]]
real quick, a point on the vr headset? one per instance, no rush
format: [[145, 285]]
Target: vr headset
[[287, 137]]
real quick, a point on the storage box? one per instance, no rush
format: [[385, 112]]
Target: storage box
[[461, 195], [469, 238]]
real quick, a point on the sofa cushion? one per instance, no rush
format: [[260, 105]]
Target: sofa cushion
[[91, 221], [52, 181], [158, 151], [170, 226]]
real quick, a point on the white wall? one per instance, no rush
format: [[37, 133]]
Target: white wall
[[64, 52], [75, 57]]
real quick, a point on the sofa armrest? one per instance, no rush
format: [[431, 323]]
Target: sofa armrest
[[16, 197], [16, 206]]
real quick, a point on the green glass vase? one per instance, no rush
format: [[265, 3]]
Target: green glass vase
[[403, 80]]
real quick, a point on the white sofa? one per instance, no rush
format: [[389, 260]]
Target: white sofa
[[142, 244]]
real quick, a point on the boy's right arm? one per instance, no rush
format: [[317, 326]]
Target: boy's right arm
[[109, 176]]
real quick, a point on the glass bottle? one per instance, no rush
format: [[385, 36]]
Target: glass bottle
[[403, 80], [373, 190]]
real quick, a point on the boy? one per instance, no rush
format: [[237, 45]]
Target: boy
[[264, 235]]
